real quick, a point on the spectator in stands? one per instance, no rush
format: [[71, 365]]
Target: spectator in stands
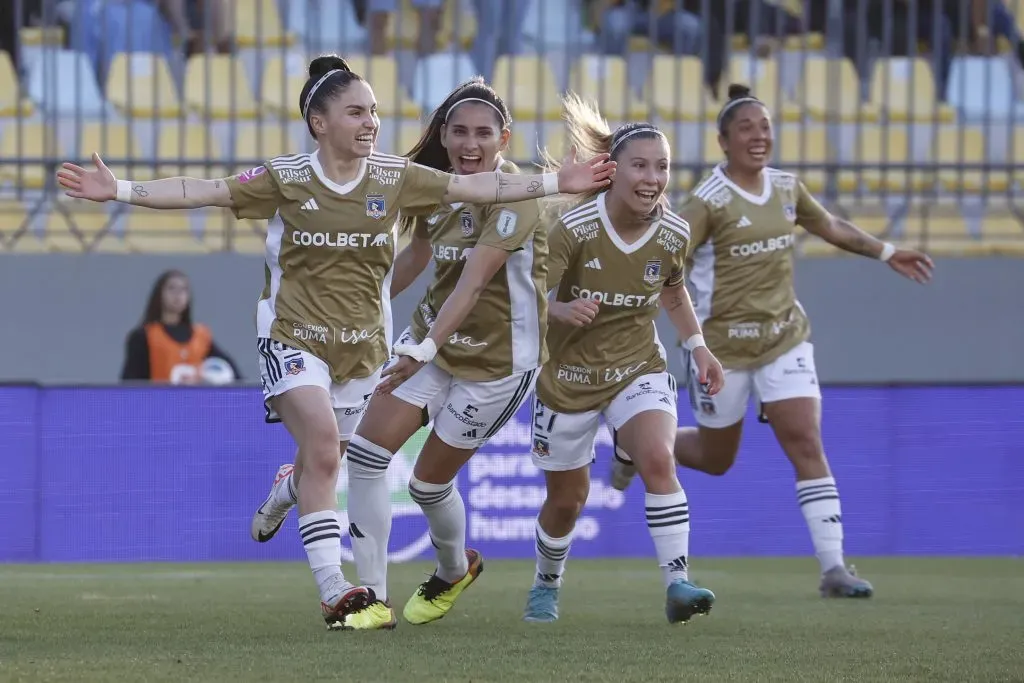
[[982, 22], [380, 12], [168, 346], [199, 25], [499, 31], [661, 20]]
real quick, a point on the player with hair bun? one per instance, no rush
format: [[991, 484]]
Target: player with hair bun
[[324, 320], [742, 217], [614, 259]]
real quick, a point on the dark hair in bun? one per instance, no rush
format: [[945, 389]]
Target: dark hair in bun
[[739, 95], [321, 88]]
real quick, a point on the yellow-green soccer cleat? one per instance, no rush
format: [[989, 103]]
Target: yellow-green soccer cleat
[[436, 597], [376, 615]]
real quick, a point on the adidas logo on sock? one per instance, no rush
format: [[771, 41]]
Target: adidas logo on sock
[[744, 222], [310, 205], [594, 263]]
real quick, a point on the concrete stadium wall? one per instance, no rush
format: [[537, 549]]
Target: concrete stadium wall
[[66, 317]]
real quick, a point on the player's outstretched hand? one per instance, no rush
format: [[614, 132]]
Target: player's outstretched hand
[[709, 370], [396, 374], [578, 313], [576, 177], [98, 185], [912, 265]]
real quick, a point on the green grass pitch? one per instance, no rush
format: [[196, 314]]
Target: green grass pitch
[[933, 619]]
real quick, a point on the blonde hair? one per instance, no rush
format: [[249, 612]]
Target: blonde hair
[[589, 134]]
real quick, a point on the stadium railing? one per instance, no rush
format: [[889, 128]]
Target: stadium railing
[[898, 124]]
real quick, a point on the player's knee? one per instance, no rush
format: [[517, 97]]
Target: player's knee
[[657, 466], [803, 447], [565, 500], [322, 457]]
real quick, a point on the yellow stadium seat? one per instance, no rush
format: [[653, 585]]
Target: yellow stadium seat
[[971, 148], [1003, 233], [10, 104], [192, 144], [262, 141], [243, 237], [762, 75], [408, 134], [258, 22], [85, 230], [829, 90], [673, 89], [905, 89], [605, 80], [30, 141], [16, 234], [808, 145], [141, 84], [117, 145], [524, 147], [808, 42], [458, 29], [284, 77], [528, 86], [150, 231], [217, 86], [874, 148]]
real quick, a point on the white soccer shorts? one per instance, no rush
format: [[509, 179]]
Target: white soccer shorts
[[791, 375], [283, 368], [466, 414], [565, 441]]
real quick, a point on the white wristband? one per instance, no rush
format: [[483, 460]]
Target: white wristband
[[423, 352], [550, 183], [124, 191], [888, 249], [694, 342]]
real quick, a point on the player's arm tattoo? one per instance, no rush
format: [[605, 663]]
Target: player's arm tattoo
[[675, 300], [848, 237], [139, 190], [535, 186], [504, 182], [184, 191]]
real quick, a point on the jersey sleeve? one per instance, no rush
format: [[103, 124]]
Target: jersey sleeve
[[561, 246], [808, 211], [677, 270], [423, 190], [696, 213], [509, 226], [255, 193]]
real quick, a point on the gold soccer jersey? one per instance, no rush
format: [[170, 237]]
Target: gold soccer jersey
[[329, 258], [740, 267], [589, 365], [504, 333]]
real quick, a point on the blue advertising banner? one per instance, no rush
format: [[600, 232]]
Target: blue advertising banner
[[174, 474]]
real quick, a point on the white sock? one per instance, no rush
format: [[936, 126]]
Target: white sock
[[819, 501], [446, 515], [321, 536], [668, 520], [552, 554], [287, 494], [369, 512]]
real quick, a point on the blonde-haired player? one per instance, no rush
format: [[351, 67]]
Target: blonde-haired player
[[324, 320], [614, 260], [742, 217]]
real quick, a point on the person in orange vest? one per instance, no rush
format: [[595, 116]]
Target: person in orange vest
[[168, 346]]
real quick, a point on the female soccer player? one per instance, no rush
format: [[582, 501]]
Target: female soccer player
[[742, 217], [324, 320], [485, 314], [614, 259]]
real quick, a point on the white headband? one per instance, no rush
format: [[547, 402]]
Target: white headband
[[312, 91], [641, 129], [735, 103], [475, 99]]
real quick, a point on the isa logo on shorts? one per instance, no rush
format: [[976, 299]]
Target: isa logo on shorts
[[294, 366], [375, 207], [652, 271], [251, 174]]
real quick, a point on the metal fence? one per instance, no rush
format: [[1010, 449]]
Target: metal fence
[[904, 115]]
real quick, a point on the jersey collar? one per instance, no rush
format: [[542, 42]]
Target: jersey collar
[[759, 199], [602, 211], [314, 160]]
